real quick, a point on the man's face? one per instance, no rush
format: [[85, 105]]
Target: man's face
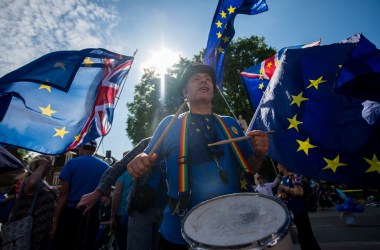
[[199, 88]]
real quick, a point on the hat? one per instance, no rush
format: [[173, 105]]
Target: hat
[[196, 68], [90, 145]]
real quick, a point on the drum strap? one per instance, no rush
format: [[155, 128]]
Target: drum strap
[[183, 160]]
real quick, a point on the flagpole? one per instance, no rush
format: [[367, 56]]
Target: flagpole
[[227, 103]]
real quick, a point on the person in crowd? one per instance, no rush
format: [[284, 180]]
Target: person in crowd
[[265, 188], [31, 183], [146, 200], [215, 170], [119, 219], [323, 199], [71, 228], [104, 232], [110, 176], [290, 191]]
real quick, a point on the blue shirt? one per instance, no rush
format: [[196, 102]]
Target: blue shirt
[[126, 180], [83, 173], [205, 182]]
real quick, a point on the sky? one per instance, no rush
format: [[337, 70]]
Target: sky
[[163, 30]]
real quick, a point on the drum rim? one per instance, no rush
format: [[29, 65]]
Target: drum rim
[[276, 236]]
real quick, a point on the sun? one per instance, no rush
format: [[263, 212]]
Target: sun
[[161, 60]]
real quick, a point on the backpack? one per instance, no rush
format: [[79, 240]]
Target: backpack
[[309, 196]]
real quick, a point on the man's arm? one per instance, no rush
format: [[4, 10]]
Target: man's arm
[[275, 182], [110, 176]]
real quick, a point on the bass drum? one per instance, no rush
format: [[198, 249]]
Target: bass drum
[[238, 221]]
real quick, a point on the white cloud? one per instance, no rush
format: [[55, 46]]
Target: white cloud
[[30, 29]]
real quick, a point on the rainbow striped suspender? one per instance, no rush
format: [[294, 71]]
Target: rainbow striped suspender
[[183, 161]]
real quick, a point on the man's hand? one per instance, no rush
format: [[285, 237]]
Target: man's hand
[[260, 143], [140, 165], [88, 200]]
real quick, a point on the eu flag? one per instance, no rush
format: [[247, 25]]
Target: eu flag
[[319, 133], [222, 30], [360, 74], [50, 112], [255, 79]]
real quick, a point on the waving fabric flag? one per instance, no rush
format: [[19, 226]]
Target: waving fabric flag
[[222, 30], [8, 162], [256, 78], [319, 133], [360, 74], [42, 118]]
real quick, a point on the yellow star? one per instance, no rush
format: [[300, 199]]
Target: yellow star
[[305, 146], [219, 24], [261, 77], [220, 50], [316, 83], [269, 64], [261, 85], [223, 14], [47, 87], [87, 61], [277, 63], [374, 163], [77, 137], [60, 65], [226, 39], [333, 164], [219, 35], [297, 99], [47, 111], [61, 132], [231, 9], [243, 184], [294, 123], [262, 71]]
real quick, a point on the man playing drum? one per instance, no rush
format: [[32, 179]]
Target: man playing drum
[[195, 171]]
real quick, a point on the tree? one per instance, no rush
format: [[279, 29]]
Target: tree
[[149, 105]]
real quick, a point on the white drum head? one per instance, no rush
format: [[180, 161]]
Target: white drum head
[[235, 220]]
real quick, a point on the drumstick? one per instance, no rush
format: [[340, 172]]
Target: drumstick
[[236, 139], [163, 135]]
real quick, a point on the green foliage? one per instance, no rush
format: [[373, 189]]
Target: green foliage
[[151, 105]]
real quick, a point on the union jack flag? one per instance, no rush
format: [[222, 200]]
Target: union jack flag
[[61, 100], [256, 78], [100, 120]]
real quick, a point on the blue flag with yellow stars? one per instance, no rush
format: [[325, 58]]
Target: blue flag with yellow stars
[[61, 100], [222, 30], [319, 133], [255, 79], [360, 74]]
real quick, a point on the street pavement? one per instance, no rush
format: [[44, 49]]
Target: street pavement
[[333, 233]]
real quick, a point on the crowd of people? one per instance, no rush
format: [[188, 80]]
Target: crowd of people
[[159, 181]]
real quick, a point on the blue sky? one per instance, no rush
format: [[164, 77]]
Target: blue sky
[[161, 30]]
